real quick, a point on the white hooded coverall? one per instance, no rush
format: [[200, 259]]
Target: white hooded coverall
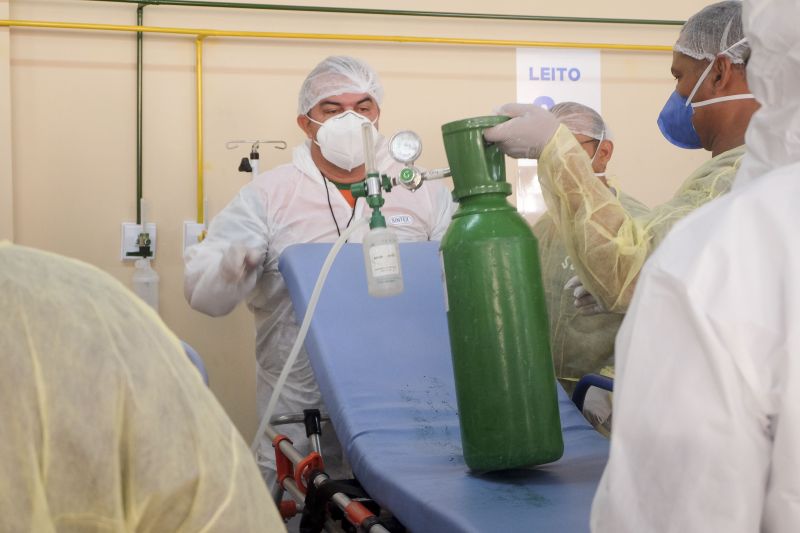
[[281, 207], [707, 397]]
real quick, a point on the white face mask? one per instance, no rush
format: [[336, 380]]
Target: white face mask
[[340, 139]]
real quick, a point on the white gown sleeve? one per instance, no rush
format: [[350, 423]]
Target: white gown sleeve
[[243, 223], [691, 445]]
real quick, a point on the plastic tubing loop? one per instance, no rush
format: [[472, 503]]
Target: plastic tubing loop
[[301, 335]]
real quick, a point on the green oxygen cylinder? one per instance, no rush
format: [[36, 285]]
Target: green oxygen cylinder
[[496, 312]]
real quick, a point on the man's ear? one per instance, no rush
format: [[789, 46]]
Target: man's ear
[[305, 124], [606, 149], [722, 73]]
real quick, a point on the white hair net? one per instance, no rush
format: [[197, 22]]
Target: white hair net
[[712, 30], [338, 75], [581, 119]]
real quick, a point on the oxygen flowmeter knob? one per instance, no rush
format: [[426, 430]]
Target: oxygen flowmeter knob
[[410, 178], [359, 190]]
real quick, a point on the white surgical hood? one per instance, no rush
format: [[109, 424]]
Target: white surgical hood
[[773, 74]]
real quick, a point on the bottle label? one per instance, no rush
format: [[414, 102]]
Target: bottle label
[[384, 260]]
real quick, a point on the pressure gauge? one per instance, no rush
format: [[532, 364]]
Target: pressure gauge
[[405, 146]]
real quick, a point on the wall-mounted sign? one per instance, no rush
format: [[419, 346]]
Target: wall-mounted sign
[[546, 77]]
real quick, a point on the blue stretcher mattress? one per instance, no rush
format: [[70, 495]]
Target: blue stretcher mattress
[[385, 373]]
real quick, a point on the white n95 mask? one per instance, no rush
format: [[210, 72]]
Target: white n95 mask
[[340, 139]]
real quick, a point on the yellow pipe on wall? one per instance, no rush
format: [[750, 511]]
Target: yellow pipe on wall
[[201, 34], [331, 36]]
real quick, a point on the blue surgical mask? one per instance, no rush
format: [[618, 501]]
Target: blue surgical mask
[[675, 122], [675, 119]]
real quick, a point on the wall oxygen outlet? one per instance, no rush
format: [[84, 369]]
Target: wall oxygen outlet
[[193, 233], [129, 240]]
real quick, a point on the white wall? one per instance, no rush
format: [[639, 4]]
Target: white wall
[[72, 121]]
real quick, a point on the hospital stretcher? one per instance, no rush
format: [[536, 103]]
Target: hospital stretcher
[[384, 370]]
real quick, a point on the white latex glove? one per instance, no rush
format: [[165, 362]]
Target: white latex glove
[[526, 134], [585, 302], [239, 262]]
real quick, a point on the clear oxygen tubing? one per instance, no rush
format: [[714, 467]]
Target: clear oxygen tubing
[[301, 335], [369, 148]]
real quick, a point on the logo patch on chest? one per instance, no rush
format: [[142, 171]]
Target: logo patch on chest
[[401, 220]]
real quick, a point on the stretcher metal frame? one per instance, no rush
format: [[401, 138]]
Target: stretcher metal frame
[[296, 473]]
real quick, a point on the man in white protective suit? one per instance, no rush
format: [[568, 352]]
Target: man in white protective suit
[[707, 397], [305, 201]]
